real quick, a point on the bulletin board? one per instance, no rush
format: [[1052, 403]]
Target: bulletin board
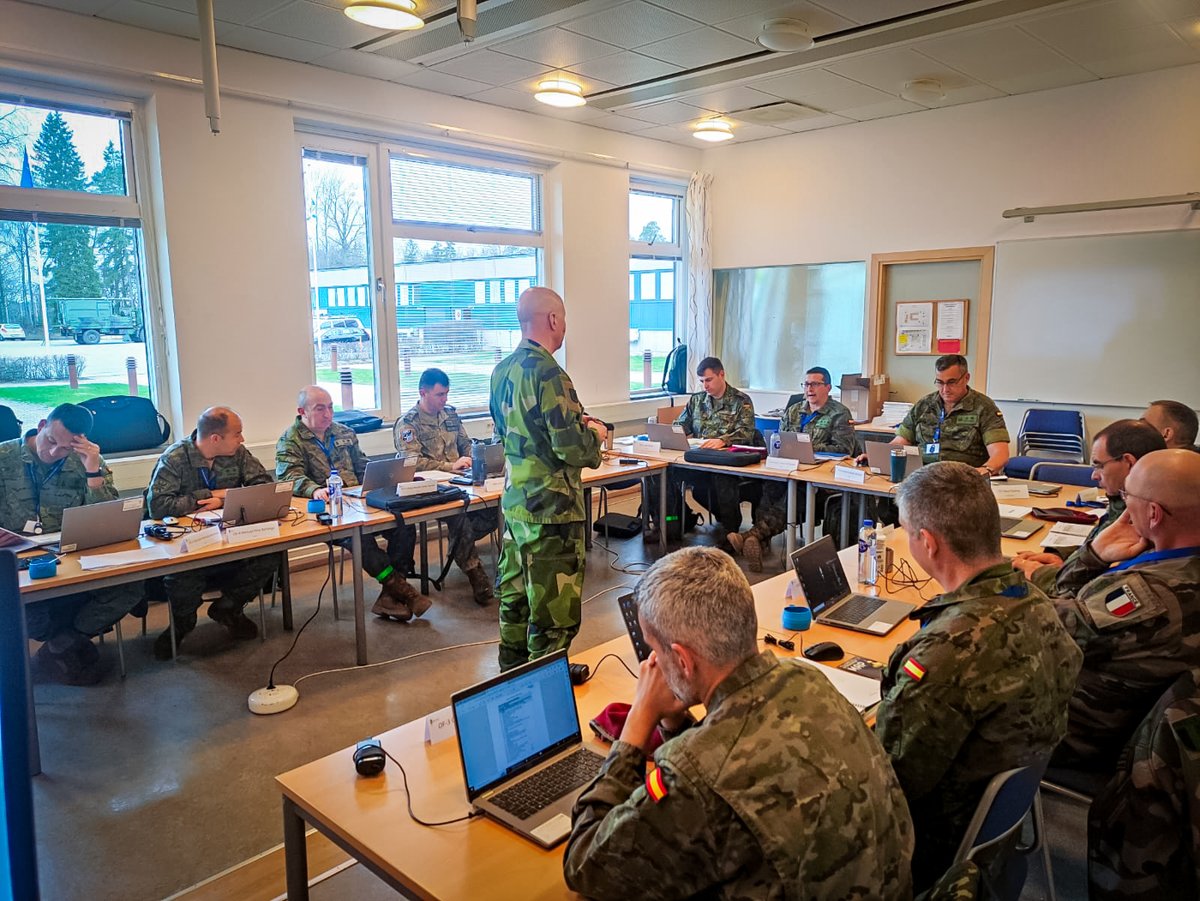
[[931, 327]]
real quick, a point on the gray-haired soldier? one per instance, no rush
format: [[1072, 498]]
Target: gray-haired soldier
[[781, 792]]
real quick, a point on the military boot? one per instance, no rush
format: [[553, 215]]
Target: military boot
[[481, 585]]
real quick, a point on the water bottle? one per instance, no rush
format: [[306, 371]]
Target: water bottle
[[776, 443], [868, 560], [334, 486], [478, 462]]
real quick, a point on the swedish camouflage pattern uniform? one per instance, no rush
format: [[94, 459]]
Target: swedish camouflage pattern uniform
[[88, 612], [539, 419], [1144, 826], [967, 430], [437, 442], [981, 688], [177, 485], [1139, 627], [1080, 566], [729, 417], [302, 459], [780, 793]]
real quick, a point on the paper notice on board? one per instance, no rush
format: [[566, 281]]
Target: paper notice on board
[[950, 324], [914, 315], [910, 340]]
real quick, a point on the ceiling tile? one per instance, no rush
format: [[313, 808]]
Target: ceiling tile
[[819, 122], [882, 110], [311, 21], [625, 68], [699, 48], [819, 21], [555, 47], [444, 83], [728, 99], [239, 12], [632, 24], [714, 10], [667, 113], [867, 11], [996, 54], [968, 94], [1024, 82], [509, 98], [823, 90], [370, 65], [490, 67], [888, 70], [82, 7], [257, 41], [1113, 38], [1189, 30], [1170, 10], [159, 18]]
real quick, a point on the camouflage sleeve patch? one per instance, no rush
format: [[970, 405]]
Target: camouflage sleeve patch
[[1121, 603]]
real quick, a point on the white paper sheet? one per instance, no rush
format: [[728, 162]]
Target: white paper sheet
[[89, 562], [435, 475]]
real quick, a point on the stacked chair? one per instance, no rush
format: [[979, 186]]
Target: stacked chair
[[1056, 435]]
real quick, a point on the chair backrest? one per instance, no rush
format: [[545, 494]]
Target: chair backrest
[[795, 399], [124, 422], [1063, 473], [1005, 803], [667, 415], [1059, 422], [10, 426]]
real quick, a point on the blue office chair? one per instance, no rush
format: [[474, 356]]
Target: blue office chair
[[1059, 435], [1063, 473]]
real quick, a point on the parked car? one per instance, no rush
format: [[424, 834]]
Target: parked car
[[345, 328], [10, 331]]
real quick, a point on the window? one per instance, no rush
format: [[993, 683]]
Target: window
[[73, 290], [655, 268]]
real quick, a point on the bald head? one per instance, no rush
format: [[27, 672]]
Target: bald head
[[543, 317], [1163, 492]]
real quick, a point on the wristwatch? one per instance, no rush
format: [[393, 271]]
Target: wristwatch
[[98, 474]]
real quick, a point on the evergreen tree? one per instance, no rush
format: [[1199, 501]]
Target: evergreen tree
[[114, 246], [412, 253], [111, 177], [651, 233], [69, 261]]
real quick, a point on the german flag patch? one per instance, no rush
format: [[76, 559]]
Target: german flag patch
[[915, 671], [656, 788]]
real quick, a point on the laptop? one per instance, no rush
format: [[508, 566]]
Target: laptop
[[666, 435], [629, 612], [95, 525], [1019, 528], [382, 473], [797, 446], [828, 593], [257, 503], [522, 751], [879, 458]]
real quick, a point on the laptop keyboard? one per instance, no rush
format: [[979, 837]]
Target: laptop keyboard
[[858, 608], [546, 786]]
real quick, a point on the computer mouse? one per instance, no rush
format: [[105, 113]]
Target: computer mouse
[[824, 651]]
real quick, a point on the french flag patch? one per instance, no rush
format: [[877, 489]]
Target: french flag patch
[[1122, 601], [915, 671]]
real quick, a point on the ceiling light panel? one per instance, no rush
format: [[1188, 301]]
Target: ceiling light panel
[[819, 20], [632, 25]]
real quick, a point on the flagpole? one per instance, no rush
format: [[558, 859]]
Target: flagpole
[[37, 251]]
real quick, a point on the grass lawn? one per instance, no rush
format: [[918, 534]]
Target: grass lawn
[[50, 396]]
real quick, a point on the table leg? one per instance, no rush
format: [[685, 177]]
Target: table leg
[[810, 512], [587, 519], [360, 607], [423, 537], [845, 520], [285, 592], [295, 852], [662, 511], [791, 517]]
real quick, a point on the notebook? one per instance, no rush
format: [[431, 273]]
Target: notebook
[[879, 458], [257, 503], [666, 436], [382, 473], [828, 593], [521, 748], [95, 525]]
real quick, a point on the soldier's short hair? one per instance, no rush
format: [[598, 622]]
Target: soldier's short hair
[[699, 597], [945, 361], [1182, 417], [709, 363], [431, 377], [75, 419], [1130, 436], [213, 421], [956, 504], [822, 372]]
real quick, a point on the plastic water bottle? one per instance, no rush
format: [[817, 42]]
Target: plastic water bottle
[[478, 462], [776, 443], [868, 559], [334, 486]]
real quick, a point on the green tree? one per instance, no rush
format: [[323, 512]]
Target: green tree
[[412, 253], [111, 177], [651, 233], [115, 246], [442, 251], [70, 262]]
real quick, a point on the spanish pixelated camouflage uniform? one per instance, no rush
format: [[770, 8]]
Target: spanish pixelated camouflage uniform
[[1081, 564], [1144, 827], [89, 612], [539, 420], [1139, 627], [436, 441], [983, 687], [780, 793], [973, 424], [176, 488]]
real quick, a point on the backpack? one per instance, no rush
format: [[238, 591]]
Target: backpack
[[122, 422], [675, 370], [10, 426], [358, 421]]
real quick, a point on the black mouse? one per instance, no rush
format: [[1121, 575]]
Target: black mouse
[[824, 651]]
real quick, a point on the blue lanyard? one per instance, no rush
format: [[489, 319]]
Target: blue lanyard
[[805, 420], [207, 478], [937, 433], [328, 451], [37, 486], [1151, 556]]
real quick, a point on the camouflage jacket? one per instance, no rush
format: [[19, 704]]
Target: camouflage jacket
[[830, 429], [178, 481], [780, 793], [965, 433], [1139, 627], [436, 441], [729, 417], [302, 460], [539, 419], [66, 486], [981, 688], [1080, 567], [1144, 827]]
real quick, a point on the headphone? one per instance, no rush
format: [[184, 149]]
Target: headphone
[[369, 759]]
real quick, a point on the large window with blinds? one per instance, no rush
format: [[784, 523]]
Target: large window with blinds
[[656, 280]]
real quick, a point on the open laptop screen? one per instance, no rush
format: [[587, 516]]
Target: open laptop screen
[[821, 574], [511, 723]]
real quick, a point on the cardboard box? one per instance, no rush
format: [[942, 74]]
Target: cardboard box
[[864, 395]]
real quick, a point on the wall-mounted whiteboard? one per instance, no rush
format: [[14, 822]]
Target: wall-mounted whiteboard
[[1110, 320]]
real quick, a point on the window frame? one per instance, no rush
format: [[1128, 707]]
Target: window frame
[[675, 251]]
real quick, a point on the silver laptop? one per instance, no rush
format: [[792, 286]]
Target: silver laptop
[[665, 434], [797, 446], [879, 458], [95, 525], [828, 593], [1019, 528], [522, 751], [385, 473], [257, 503]]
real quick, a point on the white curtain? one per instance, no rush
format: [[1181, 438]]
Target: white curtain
[[699, 281]]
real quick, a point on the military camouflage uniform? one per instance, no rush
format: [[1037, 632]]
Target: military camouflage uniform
[[831, 432], [731, 418], [1144, 827], [1139, 627], [437, 442], [1079, 568], [780, 793], [982, 688], [538, 418], [176, 487], [973, 424], [300, 458], [89, 612]]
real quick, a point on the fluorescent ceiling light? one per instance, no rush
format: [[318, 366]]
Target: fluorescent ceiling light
[[391, 15], [713, 131], [785, 35], [559, 92], [923, 90]]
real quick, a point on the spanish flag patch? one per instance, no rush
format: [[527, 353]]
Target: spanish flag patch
[[915, 671], [656, 788]]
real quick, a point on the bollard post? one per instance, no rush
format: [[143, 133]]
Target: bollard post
[[647, 369], [333, 360], [347, 379], [131, 372], [73, 372], [407, 361], [499, 355]]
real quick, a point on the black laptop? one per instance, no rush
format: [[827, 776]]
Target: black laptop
[[830, 599]]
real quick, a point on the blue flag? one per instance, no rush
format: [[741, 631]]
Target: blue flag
[[26, 172]]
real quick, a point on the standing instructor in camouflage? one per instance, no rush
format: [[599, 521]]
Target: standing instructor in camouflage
[[547, 442]]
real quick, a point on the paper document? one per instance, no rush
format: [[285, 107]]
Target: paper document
[[1066, 534], [435, 475], [89, 562], [1013, 510], [860, 691]]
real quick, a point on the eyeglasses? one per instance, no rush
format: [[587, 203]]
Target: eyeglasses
[[948, 383], [786, 643], [814, 385], [1126, 495], [1098, 465]]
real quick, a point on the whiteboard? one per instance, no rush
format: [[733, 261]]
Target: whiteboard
[[1110, 320]]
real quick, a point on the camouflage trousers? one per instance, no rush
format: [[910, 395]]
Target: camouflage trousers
[[770, 519], [399, 554], [541, 589], [239, 582], [89, 613], [464, 530]]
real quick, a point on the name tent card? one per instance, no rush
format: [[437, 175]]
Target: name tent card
[[779, 464], [850, 474], [439, 726], [253, 532], [196, 541], [647, 447]]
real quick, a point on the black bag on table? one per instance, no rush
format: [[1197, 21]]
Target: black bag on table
[[721, 457], [387, 499], [358, 421]]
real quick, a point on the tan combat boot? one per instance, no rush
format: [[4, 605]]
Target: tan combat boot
[[402, 593], [481, 585]]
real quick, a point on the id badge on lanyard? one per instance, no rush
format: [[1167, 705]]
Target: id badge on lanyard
[[934, 447]]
